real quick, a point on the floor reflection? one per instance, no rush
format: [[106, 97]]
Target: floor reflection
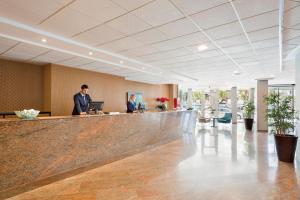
[[223, 163]]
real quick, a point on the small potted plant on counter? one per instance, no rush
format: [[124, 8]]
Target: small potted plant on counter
[[249, 109], [282, 115], [162, 106]]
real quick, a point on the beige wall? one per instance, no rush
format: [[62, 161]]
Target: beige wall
[[103, 87], [51, 88], [20, 86]]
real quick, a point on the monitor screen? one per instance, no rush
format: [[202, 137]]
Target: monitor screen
[[96, 106]]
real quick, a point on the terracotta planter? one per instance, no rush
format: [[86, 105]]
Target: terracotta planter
[[286, 147], [248, 123]]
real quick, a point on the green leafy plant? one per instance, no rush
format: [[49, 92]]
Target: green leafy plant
[[223, 95], [197, 95], [162, 107], [249, 109], [280, 112], [243, 95]]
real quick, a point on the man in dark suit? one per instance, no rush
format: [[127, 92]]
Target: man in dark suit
[[81, 101], [131, 105]]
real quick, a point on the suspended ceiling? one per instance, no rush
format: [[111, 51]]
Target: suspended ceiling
[[156, 41]]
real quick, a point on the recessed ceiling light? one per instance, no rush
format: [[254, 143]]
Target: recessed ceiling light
[[202, 47], [90, 53], [236, 73], [44, 40], [121, 62], [143, 68]]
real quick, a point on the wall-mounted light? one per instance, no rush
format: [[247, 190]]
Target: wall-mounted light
[[44, 40], [90, 53]]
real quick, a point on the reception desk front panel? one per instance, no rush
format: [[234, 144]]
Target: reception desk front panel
[[36, 150]]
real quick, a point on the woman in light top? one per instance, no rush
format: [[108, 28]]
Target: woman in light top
[[131, 104]]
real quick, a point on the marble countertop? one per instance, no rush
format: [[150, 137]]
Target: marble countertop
[[83, 116]]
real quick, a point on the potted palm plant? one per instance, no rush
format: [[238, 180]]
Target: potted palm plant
[[249, 114], [281, 115]]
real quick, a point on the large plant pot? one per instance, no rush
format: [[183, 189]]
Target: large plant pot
[[248, 123], [286, 147]]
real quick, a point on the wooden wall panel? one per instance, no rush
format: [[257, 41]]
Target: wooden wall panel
[[51, 88], [47, 87], [103, 87], [20, 86]]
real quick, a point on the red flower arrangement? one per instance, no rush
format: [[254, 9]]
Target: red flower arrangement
[[162, 99], [162, 106]]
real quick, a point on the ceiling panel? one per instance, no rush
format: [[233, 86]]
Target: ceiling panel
[[263, 34], [261, 21], [166, 54], [145, 50], [150, 36], [53, 57], [122, 44], [68, 22], [232, 41], [288, 4], [99, 35], [273, 42], [75, 62], [292, 17], [158, 12], [105, 68], [131, 4], [225, 31], [211, 53], [289, 34], [194, 6], [209, 18], [178, 28], [102, 10], [295, 41], [168, 45], [30, 11], [25, 51], [102, 67], [128, 24], [248, 8], [5, 44], [187, 40]]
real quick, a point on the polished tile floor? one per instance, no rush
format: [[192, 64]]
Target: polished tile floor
[[221, 163]]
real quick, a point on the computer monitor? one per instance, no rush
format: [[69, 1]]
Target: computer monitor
[[96, 106]]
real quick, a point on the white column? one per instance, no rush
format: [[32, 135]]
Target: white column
[[261, 105], [213, 99], [233, 97], [190, 98]]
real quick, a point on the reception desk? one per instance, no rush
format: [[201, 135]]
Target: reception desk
[[32, 151]]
